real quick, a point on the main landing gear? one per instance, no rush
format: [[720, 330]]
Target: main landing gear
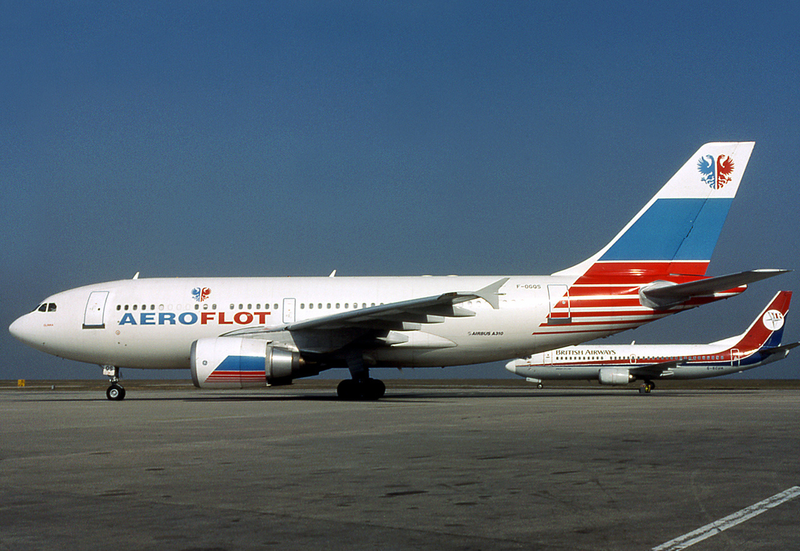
[[360, 387], [646, 387], [115, 391]]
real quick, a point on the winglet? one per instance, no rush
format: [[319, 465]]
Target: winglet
[[491, 293]]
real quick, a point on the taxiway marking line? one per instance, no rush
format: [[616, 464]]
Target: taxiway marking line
[[714, 528]]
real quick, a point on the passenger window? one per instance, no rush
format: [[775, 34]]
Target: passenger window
[[310, 305], [275, 306], [319, 306], [302, 305], [249, 306], [135, 306], [329, 306], [119, 307], [196, 306]]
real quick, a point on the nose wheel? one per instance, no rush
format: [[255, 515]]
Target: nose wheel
[[115, 391]]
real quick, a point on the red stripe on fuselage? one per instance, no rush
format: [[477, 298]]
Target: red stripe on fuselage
[[610, 271]]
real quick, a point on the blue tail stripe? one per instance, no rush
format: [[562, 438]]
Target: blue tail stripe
[[673, 229], [774, 339]]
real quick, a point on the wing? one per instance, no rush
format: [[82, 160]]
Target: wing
[[652, 371], [421, 310], [407, 315]]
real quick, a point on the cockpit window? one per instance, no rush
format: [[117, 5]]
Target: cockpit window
[[42, 308], [47, 307], [51, 307]]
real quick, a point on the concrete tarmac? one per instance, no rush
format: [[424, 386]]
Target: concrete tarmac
[[448, 467]]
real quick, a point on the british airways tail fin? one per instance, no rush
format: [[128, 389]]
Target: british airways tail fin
[[677, 230], [766, 331]]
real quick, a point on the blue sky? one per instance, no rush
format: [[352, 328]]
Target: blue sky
[[294, 138]]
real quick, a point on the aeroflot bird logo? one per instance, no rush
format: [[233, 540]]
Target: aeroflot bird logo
[[716, 172], [201, 293]]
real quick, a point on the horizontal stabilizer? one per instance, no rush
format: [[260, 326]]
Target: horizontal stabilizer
[[663, 294], [782, 349]]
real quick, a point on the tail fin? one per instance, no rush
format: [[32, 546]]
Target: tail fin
[[676, 232], [766, 331]]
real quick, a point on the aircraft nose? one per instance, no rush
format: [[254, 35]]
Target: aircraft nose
[[512, 366], [20, 329]]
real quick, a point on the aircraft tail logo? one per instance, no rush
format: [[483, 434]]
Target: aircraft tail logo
[[769, 331], [772, 320], [716, 172]]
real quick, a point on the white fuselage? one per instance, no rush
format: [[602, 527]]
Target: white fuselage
[[151, 323], [694, 361]]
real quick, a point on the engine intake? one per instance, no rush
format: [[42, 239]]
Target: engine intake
[[233, 362], [615, 376]]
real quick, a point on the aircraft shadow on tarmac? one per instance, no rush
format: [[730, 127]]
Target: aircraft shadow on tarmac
[[393, 397]]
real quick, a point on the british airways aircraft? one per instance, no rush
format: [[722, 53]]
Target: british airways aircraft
[[248, 332], [615, 364]]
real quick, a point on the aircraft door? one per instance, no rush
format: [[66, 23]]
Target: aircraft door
[[559, 304], [288, 310], [95, 310], [736, 357], [548, 357]]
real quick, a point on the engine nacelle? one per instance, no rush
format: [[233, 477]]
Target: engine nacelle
[[234, 362], [615, 376]]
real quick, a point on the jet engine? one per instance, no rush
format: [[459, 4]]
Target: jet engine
[[234, 362], [615, 376]]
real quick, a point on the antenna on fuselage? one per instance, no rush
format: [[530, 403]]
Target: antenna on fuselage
[[136, 275], [333, 274]]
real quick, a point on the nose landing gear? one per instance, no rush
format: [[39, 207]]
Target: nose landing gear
[[115, 391]]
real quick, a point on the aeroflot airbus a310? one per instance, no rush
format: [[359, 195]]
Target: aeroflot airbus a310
[[246, 332], [615, 364]]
